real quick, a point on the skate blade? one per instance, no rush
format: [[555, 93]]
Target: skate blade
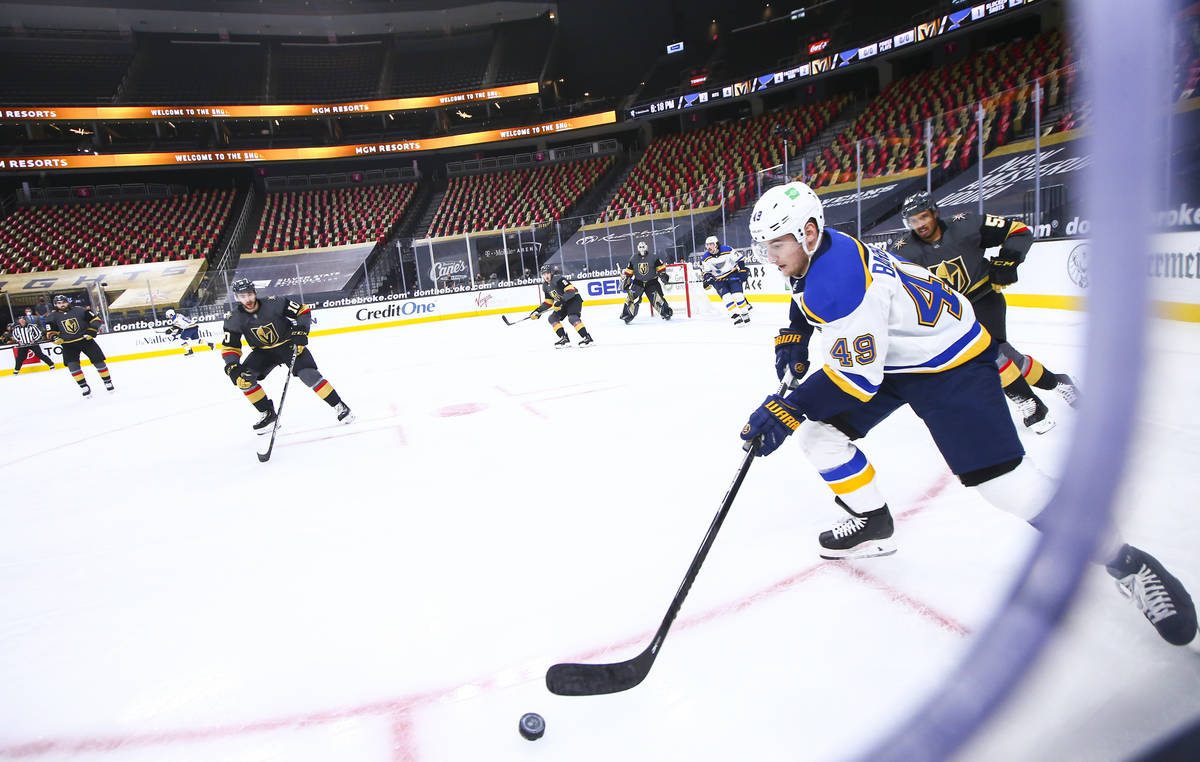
[[871, 549], [1042, 426], [347, 419]]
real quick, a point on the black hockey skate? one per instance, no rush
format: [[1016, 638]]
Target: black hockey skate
[[1067, 389], [108, 385], [563, 342], [189, 352], [1034, 413], [1160, 597], [87, 391], [343, 413], [266, 421], [863, 535], [587, 341]]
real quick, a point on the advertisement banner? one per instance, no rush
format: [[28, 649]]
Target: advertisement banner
[[881, 201], [194, 158], [266, 111], [307, 272], [170, 279], [604, 246]]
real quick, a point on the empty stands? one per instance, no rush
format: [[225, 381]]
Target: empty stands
[[186, 71], [322, 73], [68, 236], [516, 198], [62, 72], [716, 164], [330, 217], [439, 65]]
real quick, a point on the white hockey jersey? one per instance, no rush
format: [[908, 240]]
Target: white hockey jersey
[[183, 322], [721, 264], [879, 314]]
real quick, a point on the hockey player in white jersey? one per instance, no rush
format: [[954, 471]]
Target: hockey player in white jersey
[[185, 329], [895, 334], [725, 271]]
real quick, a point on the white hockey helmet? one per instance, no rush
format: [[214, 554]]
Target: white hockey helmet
[[711, 239], [643, 248], [169, 313], [786, 209]]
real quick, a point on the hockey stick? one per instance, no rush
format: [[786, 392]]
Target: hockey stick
[[263, 457], [596, 679], [514, 322]]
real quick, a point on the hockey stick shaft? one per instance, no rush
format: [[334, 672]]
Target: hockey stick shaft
[[595, 679], [263, 457], [513, 322]]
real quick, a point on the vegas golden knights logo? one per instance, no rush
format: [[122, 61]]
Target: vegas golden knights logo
[[71, 325], [953, 274], [643, 267], [267, 334]]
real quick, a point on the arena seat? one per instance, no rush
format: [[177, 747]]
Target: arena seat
[[330, 216]]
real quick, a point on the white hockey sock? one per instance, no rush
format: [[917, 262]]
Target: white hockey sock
[[740, 300], [730, 305], [842, 465]]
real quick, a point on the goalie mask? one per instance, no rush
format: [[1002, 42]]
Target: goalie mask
[[643, 248]]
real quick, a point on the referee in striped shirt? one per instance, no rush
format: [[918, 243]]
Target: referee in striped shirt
[[26, 336]]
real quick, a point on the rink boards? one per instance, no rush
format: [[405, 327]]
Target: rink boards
[[1054, 276]]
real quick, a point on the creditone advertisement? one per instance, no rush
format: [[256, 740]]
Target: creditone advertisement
[[265, 111], [306, 153], [1054, 275]]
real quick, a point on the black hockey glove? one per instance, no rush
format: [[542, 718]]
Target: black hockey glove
[[774, 421], [664, 278], [708, 280], [233, 370], [791, 355], [299, 336], [1003, 270], [535, 315]]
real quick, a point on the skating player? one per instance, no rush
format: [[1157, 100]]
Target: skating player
[[954, 251], [725, 271], [895, 334], [185, 329], [26, 336], [75, 329], [645, 274], [562, 297], [275, 329]]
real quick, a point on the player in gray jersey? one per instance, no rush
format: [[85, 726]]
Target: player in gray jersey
[[645, 274], [954, 251]]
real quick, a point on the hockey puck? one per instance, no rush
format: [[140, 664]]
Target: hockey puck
[[531, 726]]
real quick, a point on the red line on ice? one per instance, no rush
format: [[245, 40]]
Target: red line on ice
[[399, 711]]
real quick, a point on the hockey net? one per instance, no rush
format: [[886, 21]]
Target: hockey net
[[685, 291]]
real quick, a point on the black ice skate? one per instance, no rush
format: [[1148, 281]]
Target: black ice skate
[[16, 372], [1160, 597], [1034, 413], [736, 318], [266, 421], [87, 391], [108, 385], [1067, 388], [863, 535], [189, 352], [343, 413], [563, 342], [587, 341]]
